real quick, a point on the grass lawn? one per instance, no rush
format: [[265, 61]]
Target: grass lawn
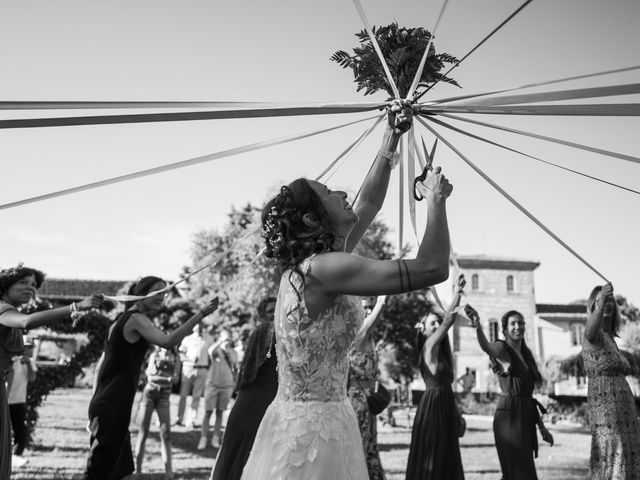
[[61, 446]]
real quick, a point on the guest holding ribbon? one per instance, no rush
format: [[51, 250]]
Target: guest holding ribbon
[[435, 449], [257, 385], [363, 382], [516, 416], [613, 419], [117, 376], [18, 286]]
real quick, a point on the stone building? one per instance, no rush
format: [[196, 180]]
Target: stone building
[[496, 285]]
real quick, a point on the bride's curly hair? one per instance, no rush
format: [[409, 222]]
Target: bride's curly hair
[[288, 239]]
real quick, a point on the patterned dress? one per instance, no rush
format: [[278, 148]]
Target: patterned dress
[[364, 367], [615, 429], [310, 431]]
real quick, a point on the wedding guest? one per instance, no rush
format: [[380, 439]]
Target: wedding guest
[[256, 386], [613, 419], [162, 372], [435, 449], [24, 372], [117, 376], [221, 380], [516, 416], [18, 286], [195, 363], [363, 379]]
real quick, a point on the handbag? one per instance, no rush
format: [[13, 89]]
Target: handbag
[[378, 399]]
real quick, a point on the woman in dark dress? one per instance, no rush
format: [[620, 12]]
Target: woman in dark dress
[[257, 387], [435, 449], [19, 285], [117, 375], [516, 416]]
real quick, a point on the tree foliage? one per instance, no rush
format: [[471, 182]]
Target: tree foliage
[[402, 49]]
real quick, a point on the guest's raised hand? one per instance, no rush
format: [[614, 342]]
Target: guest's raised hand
[[460, 283], [210, 307], [94, 301], [472, 315]]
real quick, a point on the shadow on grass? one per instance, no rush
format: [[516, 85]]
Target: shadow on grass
[[56, 448], [199, 473], [479, 445], [386, 447]]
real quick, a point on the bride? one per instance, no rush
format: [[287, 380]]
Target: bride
[[310, 431]]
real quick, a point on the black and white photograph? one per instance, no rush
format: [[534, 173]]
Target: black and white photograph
[[338, 240]]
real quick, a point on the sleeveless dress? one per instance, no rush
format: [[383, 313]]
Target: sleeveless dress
[[110, 456], [310, 431], [255, 394], [615, 430], [10, 345], [515, 419], [435, 447], [364, 367]]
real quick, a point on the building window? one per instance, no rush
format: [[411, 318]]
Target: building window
[[577, 332], [509, 283], [475, 282], [493, 330]]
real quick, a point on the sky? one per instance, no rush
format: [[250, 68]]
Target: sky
[[279, 51]]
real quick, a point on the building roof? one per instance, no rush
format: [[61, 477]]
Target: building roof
[[543, 308], [75, 289], [496, 263]]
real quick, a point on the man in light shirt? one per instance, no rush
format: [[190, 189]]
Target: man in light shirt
[[221, 380], [195, 363]]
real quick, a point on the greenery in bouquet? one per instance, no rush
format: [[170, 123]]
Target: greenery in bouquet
[[402, 49]]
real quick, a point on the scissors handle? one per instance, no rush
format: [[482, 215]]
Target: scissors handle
[[420, 178]]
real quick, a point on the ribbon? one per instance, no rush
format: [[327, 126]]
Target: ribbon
[[609, 91], [278, 110], [520, 8], [455, 129], [177, 165], [598, 109], [538, 84], [376, 47], [350, 149], [512, 200], [251, 233], [411, 176], [423, 60], [401, 202], [600, 151], [95, 105]]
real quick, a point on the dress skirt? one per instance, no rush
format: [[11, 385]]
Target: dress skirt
[[310, 440], [435, 448]]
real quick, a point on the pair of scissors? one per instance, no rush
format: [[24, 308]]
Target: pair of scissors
[[427, 168]]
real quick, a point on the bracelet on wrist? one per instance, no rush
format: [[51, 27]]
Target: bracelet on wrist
[[393, 157]]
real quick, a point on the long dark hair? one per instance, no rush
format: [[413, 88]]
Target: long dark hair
[[616, 319], [445, 346], [142, 287], [527, 355]]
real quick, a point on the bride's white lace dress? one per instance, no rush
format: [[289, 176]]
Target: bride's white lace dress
[[310, 431]]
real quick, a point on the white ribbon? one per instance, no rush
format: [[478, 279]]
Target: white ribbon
[[376, 47], [621, 156], [597, 109], [423, 60], [512, 200]]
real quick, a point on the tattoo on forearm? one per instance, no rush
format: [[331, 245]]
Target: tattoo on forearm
[[406, 269], [401, 276]]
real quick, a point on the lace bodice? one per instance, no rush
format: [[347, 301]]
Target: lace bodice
[[312, 354]]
